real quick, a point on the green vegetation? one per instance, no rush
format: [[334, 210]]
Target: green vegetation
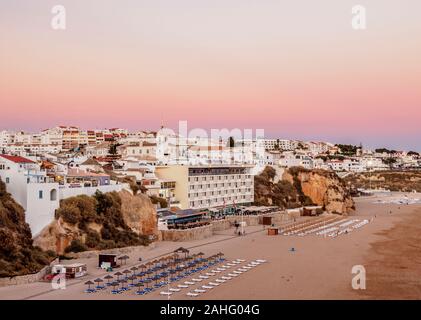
[[384, 150], [18, 256], [282, 194], [104, 210], [348, 149], [163, 203], [231, 142], [113, 148], [402, 181]]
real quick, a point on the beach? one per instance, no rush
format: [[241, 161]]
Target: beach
[[308, 267]]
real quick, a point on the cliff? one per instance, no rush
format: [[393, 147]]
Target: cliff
[[18, 256], [103, 221], [402, 181], [300, 187], [323, 188]]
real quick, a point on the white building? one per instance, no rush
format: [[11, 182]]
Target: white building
[[210, 186], [349, 165], [291, 159], [40, 195], [31, 188], [278, 144]]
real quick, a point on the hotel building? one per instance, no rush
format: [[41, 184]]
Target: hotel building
[[220, 187]]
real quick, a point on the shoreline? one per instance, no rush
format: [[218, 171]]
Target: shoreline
[[318, 268]]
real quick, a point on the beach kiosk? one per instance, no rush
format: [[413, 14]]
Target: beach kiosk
[[72, 271], [273, 231], [266, 221], [107, 260]]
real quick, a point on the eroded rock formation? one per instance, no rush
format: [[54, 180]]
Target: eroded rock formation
[[104, 221], [300, 187]]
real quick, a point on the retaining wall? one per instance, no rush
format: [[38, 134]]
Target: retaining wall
[[29, 278]]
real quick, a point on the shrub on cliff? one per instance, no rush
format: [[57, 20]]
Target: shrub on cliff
[[266, 192], [103, 209], [76, 246], [163, 203], [18, 256]]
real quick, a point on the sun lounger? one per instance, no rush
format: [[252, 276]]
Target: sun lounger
[[232, 274], [243, 270], [141, 292], [174, 289], [247, 267], [220, 280], [90, 291], [261, 261], [204, 277], [221, 269], [189, 282], [215, 284], [196, 280], [216, 271], [199, 290], [241, 260], [210, 274], [207, 287], [237, 272], [165, 293], [226, 278], [190, 294], [182, 286]]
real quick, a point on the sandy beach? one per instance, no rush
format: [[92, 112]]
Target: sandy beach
[[318, 268]]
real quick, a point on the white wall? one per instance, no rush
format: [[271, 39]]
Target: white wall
[[89, 191], [40, 212]]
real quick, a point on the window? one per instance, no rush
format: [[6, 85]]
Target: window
[[7, 180], [40, 194], [53, 195]]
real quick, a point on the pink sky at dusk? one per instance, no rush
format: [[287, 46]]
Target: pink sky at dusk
[[294, 68]]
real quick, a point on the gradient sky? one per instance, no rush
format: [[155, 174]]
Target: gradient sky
[[295, 68]]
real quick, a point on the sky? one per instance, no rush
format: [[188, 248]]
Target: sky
[[296, 69]]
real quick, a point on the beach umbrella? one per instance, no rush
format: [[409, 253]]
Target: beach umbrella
[[122, 282], [108, 277], [126, 272], [118, 274], [124, 258], [89, 283], [98, 281], [115, 284], [139, 285], [134, 269]]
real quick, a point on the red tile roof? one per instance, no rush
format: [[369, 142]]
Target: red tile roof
[[16, 159]]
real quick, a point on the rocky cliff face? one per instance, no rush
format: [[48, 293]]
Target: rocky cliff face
[[18, 256], [401, 181], [139, 213], [300, 187], [104, 221], [323, 188]]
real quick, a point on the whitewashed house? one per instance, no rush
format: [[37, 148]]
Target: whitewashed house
[[31, 188]]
